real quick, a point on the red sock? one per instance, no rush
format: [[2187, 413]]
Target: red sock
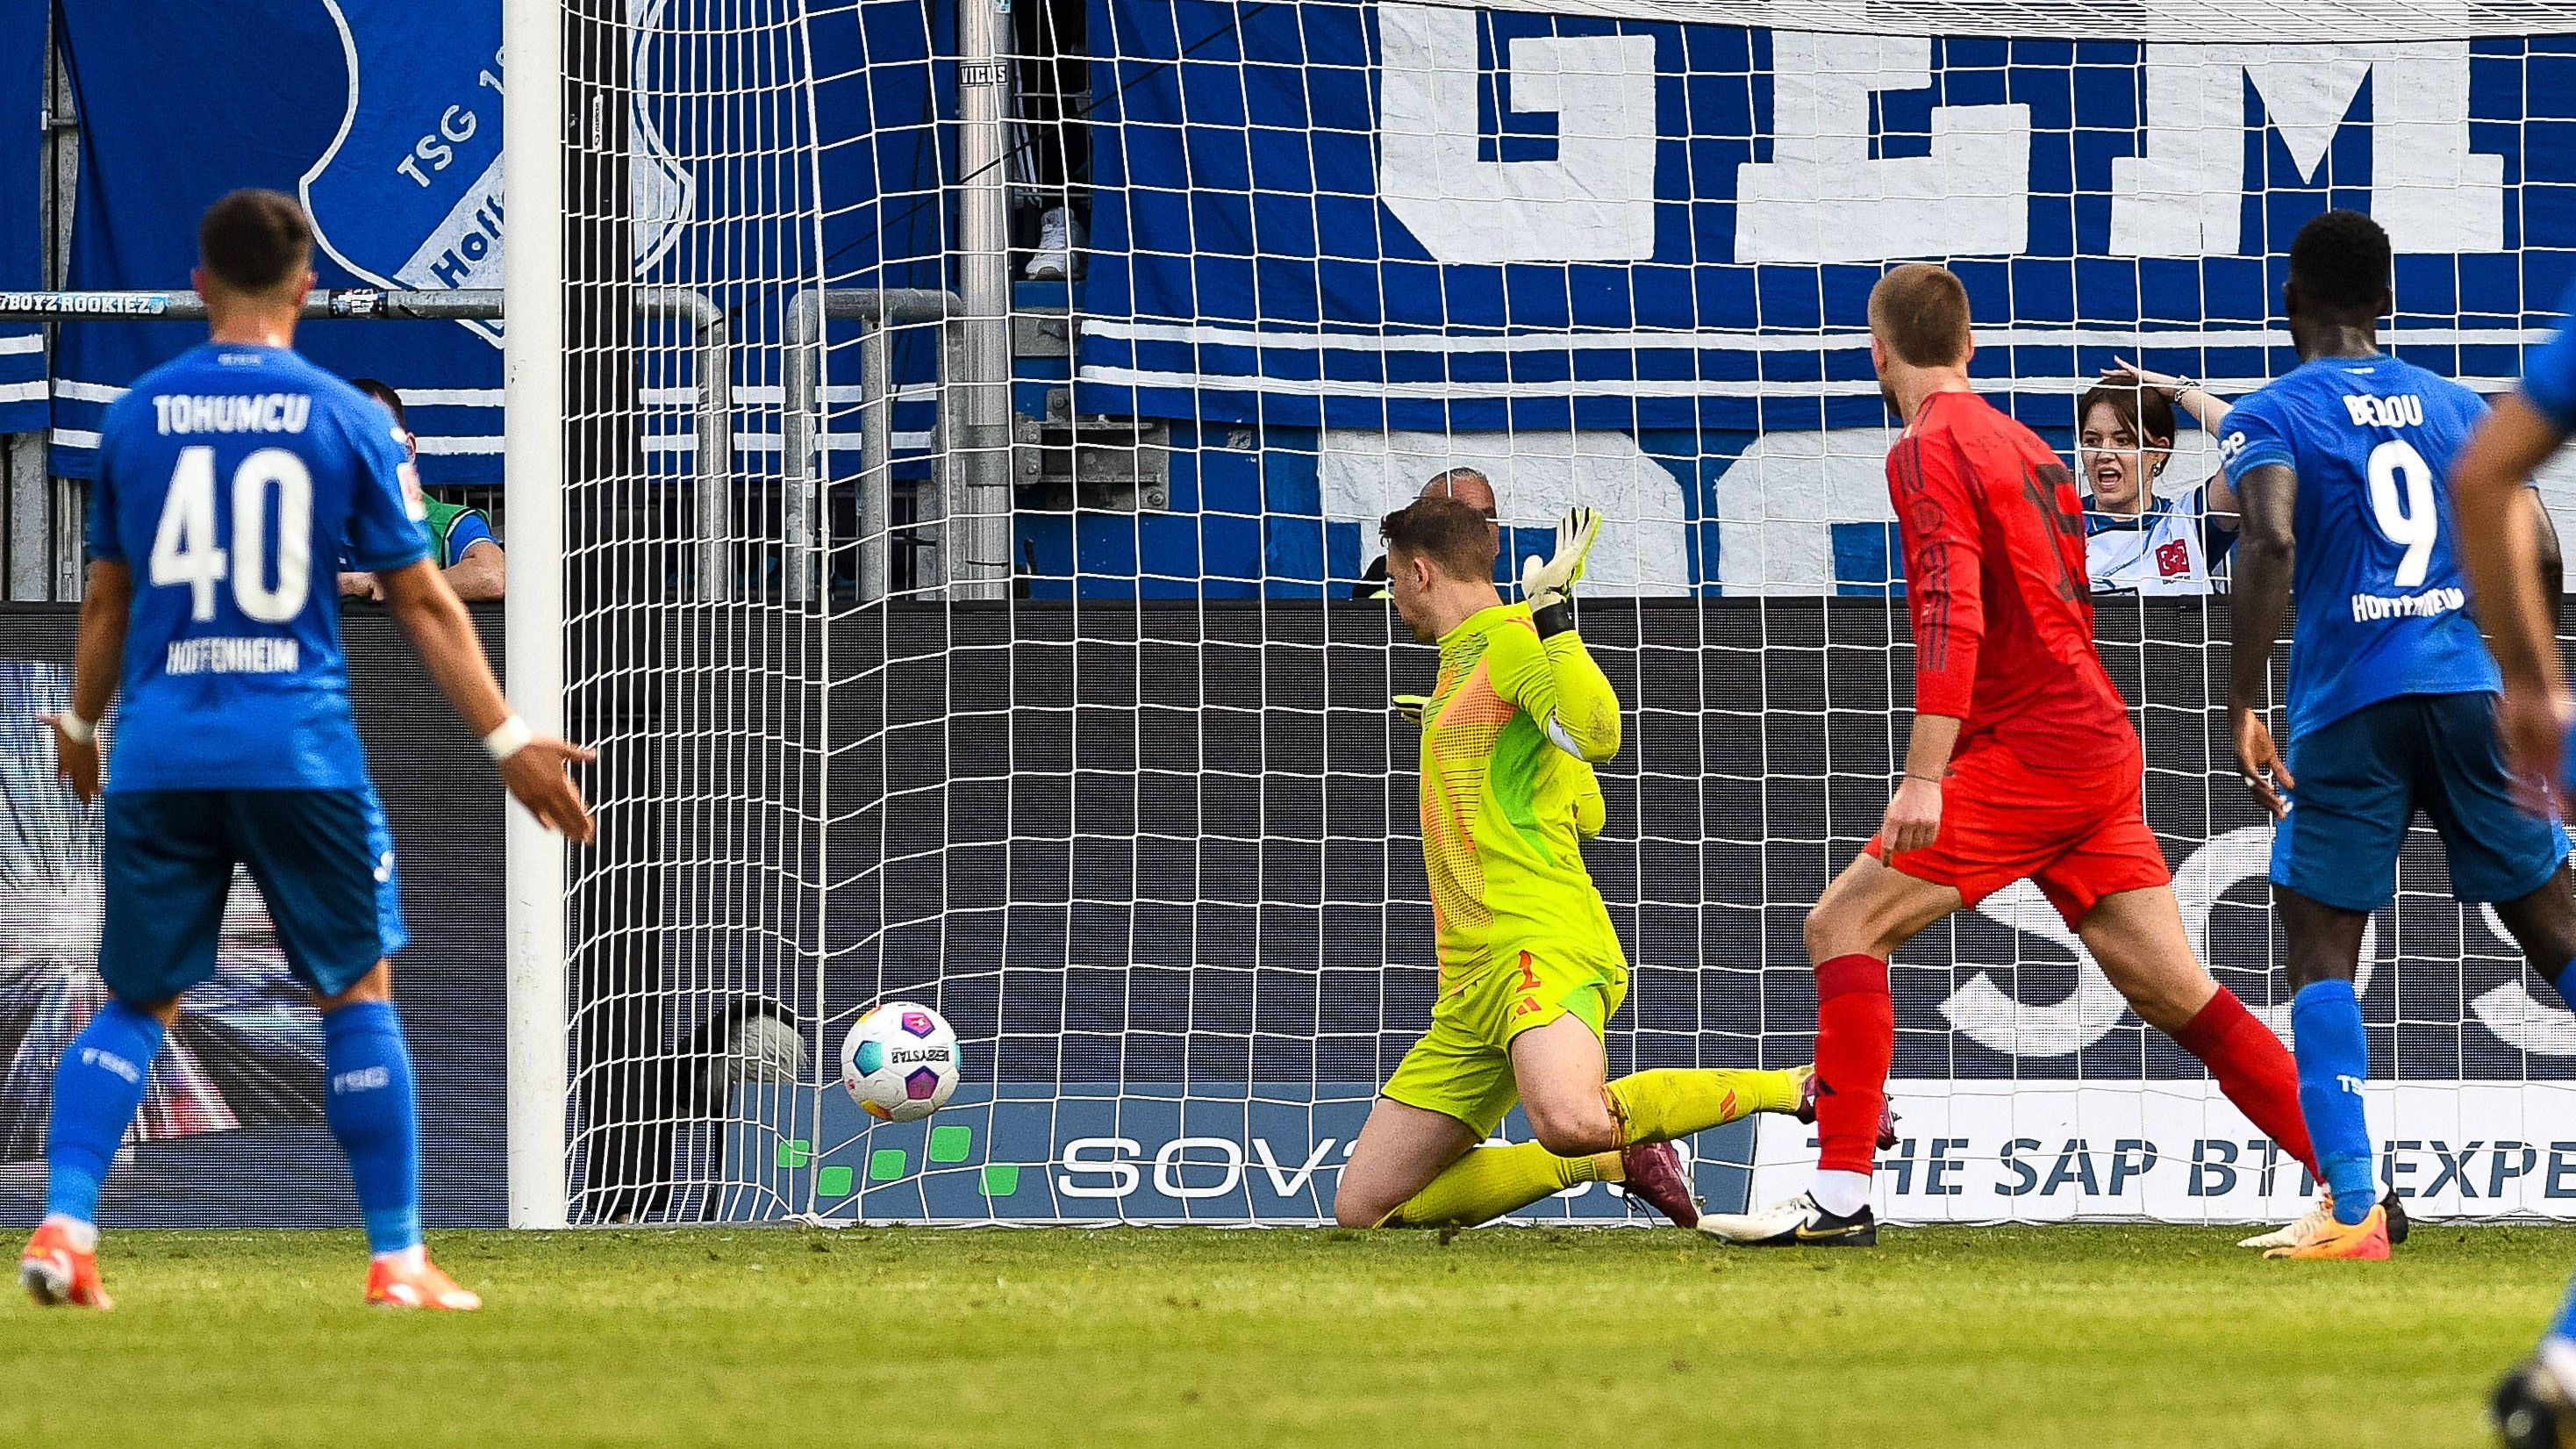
[[1855, 1046], [2255, 1071]]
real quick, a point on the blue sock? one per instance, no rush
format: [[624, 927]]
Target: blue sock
[[2334, 1060], [367, 1071], [97, 1086], [2564, 1325]]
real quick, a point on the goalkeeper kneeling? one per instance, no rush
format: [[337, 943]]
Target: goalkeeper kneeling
[[1530, 967]]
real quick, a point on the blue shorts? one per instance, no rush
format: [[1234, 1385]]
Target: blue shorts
[[323, 861], [2361, 780]]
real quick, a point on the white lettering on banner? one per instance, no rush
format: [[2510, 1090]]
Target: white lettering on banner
[[2185, 195], [1991, 1017], [2180, 1152], [1173, 1157], [1594, 202], [1088, 1158], [1289, 1184], [2519, 1019], [1822, 198]]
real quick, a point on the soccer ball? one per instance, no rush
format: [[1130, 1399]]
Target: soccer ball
[[900, 1062]]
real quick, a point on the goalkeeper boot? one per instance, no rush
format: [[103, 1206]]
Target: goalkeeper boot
[[2307, 1226], [60, 1271], [2366, 1240], [2531, 1409], [1800, 1222], [1656, 1175], [1807, 1107], [410, 1280]]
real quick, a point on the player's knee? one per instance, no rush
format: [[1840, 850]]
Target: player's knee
[[1572, 1131], [376, 985], [1357, 1210], [1839, 927], [164, 1012]]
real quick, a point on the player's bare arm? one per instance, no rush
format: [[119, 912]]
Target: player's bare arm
[[2266, 554], [1914, 813], [97, 658], [2500, 545], [536, 771]]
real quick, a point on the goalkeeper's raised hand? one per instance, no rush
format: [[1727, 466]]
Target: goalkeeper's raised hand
[[1547, 584]]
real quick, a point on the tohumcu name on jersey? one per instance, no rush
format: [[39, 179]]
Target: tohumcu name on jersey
[[268, 412]]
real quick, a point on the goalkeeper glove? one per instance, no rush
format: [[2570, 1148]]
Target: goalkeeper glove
[[1411, 707], [1548, 583]]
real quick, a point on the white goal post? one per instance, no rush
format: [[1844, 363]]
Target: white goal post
[[536, 1036]]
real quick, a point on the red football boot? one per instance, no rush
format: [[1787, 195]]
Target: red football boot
[[1657, 1176]]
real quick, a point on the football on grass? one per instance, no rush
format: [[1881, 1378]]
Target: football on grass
[[900, 1061]]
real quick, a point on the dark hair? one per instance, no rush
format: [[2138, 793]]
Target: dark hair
[[2340, 261], [1921, 312], [1457, 539], [383, 393], [255, 241], [2145, 411]]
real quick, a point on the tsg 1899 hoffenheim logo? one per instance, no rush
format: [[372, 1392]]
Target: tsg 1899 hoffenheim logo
[[409, 192]]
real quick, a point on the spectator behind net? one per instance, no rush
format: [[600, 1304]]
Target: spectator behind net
[[467, 552], [1467, 485]]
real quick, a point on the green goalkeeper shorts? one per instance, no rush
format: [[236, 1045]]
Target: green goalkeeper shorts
[[1462, 1067]]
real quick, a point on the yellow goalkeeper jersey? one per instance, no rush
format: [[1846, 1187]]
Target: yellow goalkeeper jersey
[[1504, 808]]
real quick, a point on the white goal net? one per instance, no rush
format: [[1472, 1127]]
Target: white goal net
[[1001, 637]]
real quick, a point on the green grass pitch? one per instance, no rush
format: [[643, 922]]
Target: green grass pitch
[[895, 1338]]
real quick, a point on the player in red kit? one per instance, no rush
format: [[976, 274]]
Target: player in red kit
[[2022, 764]]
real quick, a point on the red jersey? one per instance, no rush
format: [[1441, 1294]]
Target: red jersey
[[1996, 584]]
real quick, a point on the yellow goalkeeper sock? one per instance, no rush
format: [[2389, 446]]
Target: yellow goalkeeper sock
[[1491, 1181], [1660, 1106]]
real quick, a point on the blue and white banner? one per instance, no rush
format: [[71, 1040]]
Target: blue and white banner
[[179, 105], [769, 153], [22, 222], [1411, 216]]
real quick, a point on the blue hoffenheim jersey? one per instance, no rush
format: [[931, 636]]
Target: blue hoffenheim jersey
[[2383, 606], [233, 482]]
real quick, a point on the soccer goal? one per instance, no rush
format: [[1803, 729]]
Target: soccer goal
[[1034, 668]]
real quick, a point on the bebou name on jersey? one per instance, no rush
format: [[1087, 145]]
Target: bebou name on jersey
[[2405, 410]]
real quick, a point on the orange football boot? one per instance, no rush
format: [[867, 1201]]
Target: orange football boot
[[57, 1273], [2367, 1240], [393, 1284]]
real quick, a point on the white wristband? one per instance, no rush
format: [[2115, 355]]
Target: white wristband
[[75, 729], [510, 737]]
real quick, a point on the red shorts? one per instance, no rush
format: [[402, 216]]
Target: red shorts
[[2077, 835]]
